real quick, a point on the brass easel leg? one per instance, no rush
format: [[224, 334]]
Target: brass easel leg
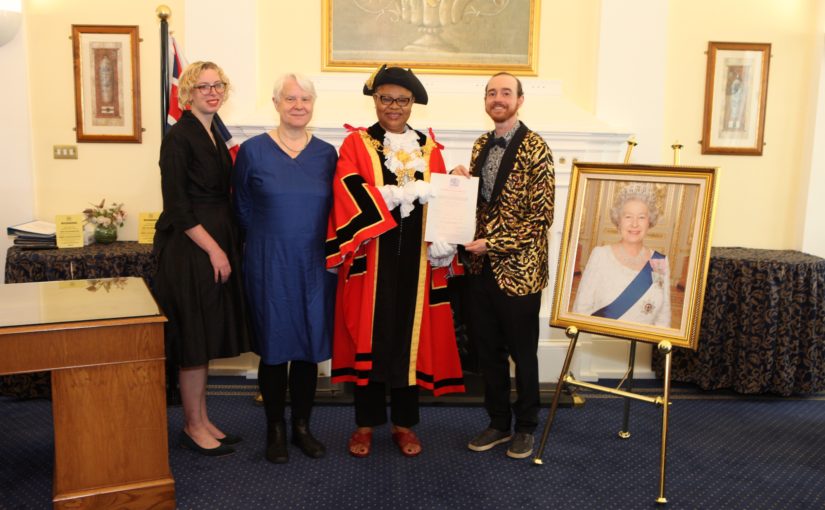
[[573, 334], [667, 349], [631, 364]]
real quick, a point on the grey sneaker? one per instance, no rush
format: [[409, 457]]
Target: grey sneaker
[[521, 447], [488, 438]]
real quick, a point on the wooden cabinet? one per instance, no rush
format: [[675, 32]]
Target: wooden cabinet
[[102, 341]]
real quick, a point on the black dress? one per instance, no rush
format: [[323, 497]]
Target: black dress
[[206, 319]]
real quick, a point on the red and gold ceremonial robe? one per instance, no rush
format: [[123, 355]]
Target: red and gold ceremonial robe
[[393, 321]]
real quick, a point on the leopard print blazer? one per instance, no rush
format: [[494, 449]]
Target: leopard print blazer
[[516, 221]]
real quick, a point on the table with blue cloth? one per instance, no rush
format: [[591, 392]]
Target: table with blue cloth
[[763, 325], [122, 258]]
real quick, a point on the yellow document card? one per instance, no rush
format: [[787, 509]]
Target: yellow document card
[[69, 230], [146, 227]]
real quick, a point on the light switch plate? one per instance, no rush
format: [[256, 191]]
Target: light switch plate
[[65, 152]]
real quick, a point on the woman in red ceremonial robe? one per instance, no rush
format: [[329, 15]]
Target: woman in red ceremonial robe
[[393, 323]]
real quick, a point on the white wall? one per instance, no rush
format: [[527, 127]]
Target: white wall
[[813, 238], [229, 40], [631, 74], [17, 195]]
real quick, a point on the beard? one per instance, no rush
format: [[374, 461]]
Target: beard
[[506, 111]]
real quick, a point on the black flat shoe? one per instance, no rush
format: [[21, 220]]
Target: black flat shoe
[[190, 444], [230, 439], [303, 439], [276, 443]]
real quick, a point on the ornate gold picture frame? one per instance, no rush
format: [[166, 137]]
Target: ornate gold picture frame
[[106, 83], [444, 36], [658, 295], [736, 93]]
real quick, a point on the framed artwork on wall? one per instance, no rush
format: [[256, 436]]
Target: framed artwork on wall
[[635, 251], [448, 36], [736, 92], [106, 83]]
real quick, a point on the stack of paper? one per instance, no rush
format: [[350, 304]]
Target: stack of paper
[[34, 234]]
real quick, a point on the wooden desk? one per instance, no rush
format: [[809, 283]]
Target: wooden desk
[[122, 258], [102, 340]]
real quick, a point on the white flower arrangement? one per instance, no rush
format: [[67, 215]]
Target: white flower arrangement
[[106, 216]]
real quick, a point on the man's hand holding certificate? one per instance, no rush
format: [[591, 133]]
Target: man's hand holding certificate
[[451, 213]]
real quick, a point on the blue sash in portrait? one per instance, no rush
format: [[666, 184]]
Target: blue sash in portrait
[[632, 293]]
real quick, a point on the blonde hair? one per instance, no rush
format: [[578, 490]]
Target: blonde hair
[[302, 81], [189, 78], [640, 191]]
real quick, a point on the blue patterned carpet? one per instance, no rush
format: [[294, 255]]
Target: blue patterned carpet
[[724, 451]]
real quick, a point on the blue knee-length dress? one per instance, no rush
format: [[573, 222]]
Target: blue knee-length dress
[[283, 204]]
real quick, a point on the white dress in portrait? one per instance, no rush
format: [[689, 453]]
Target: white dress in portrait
[[605, 278]]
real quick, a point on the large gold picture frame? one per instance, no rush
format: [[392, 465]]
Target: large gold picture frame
[[736, 94], [684, 199], [106, 83], [444, 36]]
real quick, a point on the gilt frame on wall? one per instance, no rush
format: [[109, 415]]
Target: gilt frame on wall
[[106, 83], [736, 95], [449, 36]]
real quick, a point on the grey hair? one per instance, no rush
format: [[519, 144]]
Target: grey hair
[[641, 191], [302, 81]]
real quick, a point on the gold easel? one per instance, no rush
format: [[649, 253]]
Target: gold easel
[[566, 379], [676, 148]]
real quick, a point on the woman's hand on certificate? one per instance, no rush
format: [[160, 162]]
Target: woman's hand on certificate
[[477, 247], [460, 170]]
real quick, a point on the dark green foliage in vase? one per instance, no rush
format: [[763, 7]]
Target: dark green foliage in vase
[[105, 234]]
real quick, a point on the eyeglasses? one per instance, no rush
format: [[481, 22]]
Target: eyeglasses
[[400, 101], [206, 88]]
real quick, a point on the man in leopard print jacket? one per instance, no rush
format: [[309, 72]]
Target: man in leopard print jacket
[[507, 264]]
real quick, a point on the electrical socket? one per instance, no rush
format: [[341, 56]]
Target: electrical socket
[[65, 151]]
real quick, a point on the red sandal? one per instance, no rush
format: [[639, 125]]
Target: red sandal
[[360, 439], [405, 438]]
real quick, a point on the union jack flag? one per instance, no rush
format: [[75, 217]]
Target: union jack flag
[[177, 63]]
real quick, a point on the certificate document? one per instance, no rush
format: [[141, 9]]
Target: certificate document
[[451, 212]]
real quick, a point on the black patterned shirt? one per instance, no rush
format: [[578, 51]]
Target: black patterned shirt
[[494, 156]]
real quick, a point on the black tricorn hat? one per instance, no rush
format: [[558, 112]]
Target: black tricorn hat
[[396, 76]]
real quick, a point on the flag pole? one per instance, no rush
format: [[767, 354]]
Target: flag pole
[[163, 12]]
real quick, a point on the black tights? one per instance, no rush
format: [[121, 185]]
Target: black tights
[[301, 377], [371, 405]]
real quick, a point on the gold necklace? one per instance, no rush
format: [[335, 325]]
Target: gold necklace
[[298, 151]]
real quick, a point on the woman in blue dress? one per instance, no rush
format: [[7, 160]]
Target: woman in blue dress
[[283, 192]]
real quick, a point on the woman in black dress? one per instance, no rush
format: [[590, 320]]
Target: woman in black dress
[[198, 246]]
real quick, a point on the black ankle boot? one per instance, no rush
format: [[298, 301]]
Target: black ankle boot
[[302, 438], [276, 442]]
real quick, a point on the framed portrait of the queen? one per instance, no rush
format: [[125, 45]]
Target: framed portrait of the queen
[[635, 251]]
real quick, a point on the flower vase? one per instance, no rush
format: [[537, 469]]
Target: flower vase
[[105, 234]]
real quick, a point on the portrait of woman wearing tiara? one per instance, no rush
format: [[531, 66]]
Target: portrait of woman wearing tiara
[[627, 280]]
